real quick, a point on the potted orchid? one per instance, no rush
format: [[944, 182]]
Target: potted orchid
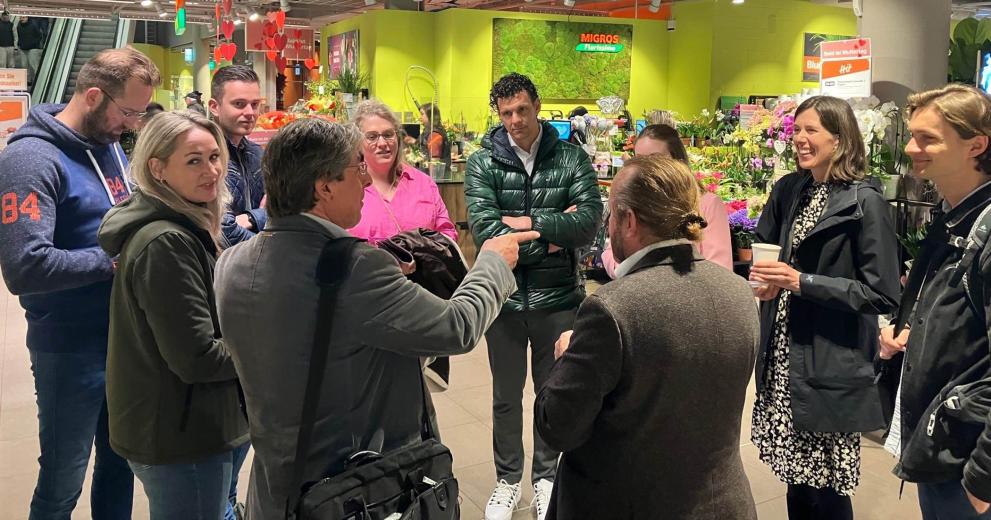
[[874, 119]]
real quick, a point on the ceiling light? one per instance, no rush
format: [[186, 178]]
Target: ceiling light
[[569, 3], [254, 16], [737, 2], [162, 14], [370, 2], [237, 21], [655, 5], [147, 3]]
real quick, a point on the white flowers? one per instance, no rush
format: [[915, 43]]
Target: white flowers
[[872, 119]]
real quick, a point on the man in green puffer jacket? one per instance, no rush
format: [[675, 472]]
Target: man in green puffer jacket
[[523, 178]]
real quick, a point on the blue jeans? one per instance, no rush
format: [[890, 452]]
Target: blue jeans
[[947, 501], [202, 490], [72, 417]]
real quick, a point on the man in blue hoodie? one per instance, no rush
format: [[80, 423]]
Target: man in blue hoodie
[[60, 173], [235, 102]]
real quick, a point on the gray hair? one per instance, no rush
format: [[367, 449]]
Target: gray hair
[[303, 152], [374, 107]]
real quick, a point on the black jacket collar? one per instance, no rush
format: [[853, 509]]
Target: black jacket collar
[[975, 201], [497, 141]]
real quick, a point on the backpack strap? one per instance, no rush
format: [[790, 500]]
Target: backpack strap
[[973, 249]]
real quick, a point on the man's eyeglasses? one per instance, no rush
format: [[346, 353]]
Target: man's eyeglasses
[[127, 113], [362, 167], [373, 137]]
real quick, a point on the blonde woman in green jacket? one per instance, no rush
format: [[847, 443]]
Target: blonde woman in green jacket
[[172, 392]]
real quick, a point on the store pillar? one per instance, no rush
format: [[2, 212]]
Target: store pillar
[[201, 65], [909, 43]]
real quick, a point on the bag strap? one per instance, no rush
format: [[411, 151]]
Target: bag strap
[[974, 244], [331, 271]]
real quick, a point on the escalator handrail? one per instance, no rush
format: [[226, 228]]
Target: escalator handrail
[[64, 68], [52, 47]]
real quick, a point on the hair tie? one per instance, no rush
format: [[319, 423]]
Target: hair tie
[[693, 218]]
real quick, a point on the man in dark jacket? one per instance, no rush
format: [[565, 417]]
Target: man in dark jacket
[[29, 40], [234, 104], [60, 173], [6, 41], [942, 438], [525, 178]]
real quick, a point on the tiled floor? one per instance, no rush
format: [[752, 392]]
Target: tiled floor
[[466, 426]]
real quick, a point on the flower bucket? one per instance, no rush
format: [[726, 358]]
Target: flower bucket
[[891, 186], [745, 255]]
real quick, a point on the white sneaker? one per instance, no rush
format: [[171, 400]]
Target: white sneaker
[[504, 500], [542, 497]]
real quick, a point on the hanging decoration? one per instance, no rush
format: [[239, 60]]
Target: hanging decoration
[[180, 17], [225, 48]]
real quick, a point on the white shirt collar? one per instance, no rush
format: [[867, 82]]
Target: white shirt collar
[[334, 229], [625, 266], [533, 147]]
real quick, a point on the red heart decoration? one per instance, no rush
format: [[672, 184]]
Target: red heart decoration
[[280, 41], [227, 28], [227, 6], [271, 55], [280, 63], [270, 43], [297, 45], [271, 16], [217, 54], [298, 33], [280, 19], [269, 29], [217, 12], [258, 45], [310, 63], [229, 50]]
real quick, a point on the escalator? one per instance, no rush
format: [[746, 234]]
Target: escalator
[[94, 36], [71, 43]]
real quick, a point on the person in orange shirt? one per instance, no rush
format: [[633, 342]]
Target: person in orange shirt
[[433, 139]]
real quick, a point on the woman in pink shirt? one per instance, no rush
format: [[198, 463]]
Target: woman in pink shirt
[[400, 197], [716, 245]]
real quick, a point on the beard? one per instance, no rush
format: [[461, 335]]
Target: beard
[[95, 125]]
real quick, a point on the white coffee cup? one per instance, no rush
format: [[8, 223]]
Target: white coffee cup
[[765, 253]]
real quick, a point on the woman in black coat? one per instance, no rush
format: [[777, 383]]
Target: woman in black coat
[[819, 325]]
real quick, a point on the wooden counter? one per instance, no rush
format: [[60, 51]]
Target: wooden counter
[[453, 193]]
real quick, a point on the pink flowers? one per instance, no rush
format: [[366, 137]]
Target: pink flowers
[[736, 205]]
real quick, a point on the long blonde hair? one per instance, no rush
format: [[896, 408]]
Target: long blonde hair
[[158, 140]]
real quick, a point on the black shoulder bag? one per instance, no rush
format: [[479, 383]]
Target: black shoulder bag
[[412, 483]]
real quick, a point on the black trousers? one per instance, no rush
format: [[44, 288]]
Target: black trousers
[[507, 340], [809, 503]]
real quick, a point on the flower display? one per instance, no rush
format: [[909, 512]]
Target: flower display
[[743, 228]]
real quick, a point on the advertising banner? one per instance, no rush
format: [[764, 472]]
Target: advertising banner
[[846, 68], [342, 53], [810, 58]]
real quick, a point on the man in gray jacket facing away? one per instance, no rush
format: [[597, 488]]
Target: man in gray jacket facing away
[[267, 294]]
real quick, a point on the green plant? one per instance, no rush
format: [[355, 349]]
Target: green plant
[[969, 38], [912, 240], [351, 81], [313, 88]]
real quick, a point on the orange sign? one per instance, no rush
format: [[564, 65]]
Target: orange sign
[[833, 69], [13, 114], [13, 79], [599, 38]]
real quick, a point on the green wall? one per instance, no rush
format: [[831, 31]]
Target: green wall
[[456, 44], [717, 49]]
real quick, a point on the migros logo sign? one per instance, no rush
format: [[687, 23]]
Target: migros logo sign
[[599, 38]]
